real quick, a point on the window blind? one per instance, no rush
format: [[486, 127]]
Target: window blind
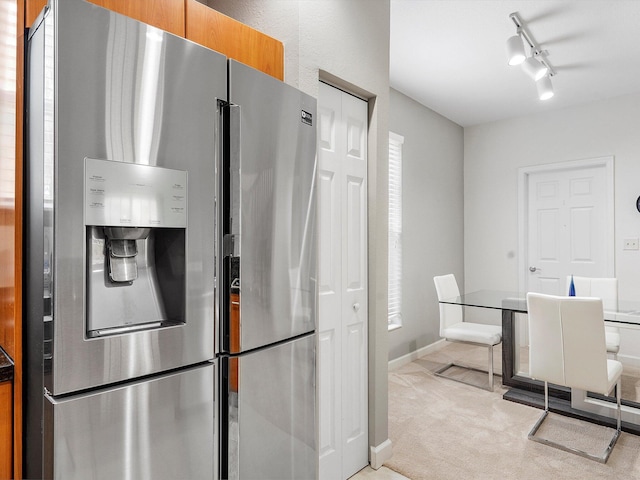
[[395, 229]]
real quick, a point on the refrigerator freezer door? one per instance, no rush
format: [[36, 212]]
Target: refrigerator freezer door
[[272, 225], [160, 428], [269, 429], [116, 89]]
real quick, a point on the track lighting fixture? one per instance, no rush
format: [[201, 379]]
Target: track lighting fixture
[[535, 69], [536, 66], [515, 50], [545, 89]]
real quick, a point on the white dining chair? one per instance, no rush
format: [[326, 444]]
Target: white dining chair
[[607, 290], [567, 347], [454, 329]]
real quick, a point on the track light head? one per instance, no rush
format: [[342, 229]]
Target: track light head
[[545, 88], [534, 68], [515, 50]]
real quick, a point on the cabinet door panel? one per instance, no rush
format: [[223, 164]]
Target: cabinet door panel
[[234, 39]]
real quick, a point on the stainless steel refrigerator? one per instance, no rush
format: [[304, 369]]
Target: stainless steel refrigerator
[[268, 287], [170, 258], [123, 130]]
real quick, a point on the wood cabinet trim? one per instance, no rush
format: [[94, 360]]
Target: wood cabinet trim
[[234, 39], [6, 430]]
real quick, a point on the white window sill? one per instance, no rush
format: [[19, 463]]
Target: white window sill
[[394, 326]]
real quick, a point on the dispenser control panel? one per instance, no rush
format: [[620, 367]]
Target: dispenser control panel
[[134, 195]]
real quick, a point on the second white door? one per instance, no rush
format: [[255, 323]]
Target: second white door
[[342, 283], [569, 232]]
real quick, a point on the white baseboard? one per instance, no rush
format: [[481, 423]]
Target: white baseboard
[[410, 357], [380, 454]]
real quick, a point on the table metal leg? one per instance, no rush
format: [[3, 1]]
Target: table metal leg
[[508, 346]]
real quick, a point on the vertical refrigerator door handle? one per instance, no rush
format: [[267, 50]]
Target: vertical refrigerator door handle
[[234, 196], [231, 195]]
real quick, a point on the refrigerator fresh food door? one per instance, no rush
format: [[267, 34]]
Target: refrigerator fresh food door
[[110, 94], [268, 405], [159, 428], [271, 227]]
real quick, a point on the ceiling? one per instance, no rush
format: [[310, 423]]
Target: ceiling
[[450, 55]]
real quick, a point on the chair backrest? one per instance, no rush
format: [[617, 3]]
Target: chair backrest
[[447, 287], [567, 341], [604, 288]]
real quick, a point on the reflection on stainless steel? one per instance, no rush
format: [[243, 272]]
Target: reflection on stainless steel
[[121, 211], [156, 429], [134, 117], [272, 415]]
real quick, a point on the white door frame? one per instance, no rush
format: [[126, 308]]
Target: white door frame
[[523, 210]]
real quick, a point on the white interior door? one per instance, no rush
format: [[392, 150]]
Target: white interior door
[[342, 281], [570, 225]]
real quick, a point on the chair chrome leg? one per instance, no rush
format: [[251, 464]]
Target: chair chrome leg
[[618, 422], [440, 371], [546, 396], [618, 394], [602, 458]]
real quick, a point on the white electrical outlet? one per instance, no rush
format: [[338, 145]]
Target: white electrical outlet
[[630, 244]]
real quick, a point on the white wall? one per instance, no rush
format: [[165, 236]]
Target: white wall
[[346, 42], [495, 151], [432, 157]]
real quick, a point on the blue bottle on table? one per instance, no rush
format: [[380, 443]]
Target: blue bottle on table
[[572, 288]]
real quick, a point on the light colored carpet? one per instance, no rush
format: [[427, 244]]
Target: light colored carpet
[[441, 429]]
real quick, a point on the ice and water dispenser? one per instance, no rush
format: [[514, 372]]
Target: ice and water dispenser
[[135, 224]]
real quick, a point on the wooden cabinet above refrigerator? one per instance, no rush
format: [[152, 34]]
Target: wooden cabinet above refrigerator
[[234, 39], [199, 23]]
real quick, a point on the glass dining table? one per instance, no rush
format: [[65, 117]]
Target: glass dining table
[[524, 389]]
